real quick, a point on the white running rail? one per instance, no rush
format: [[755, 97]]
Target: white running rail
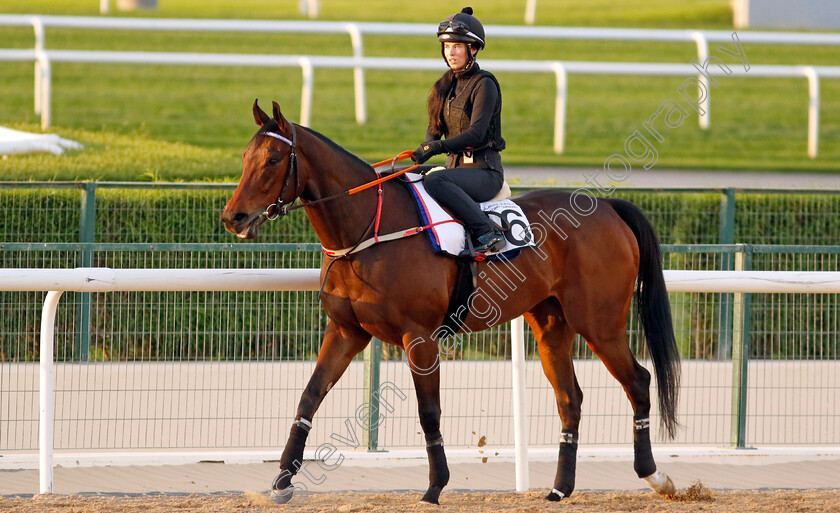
[[561, 70]]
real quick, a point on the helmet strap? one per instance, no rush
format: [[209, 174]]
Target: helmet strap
[[470, 57]]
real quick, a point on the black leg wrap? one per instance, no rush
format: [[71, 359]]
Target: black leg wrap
[[643, 462], [292, 454], [564, 481], [438, 469]]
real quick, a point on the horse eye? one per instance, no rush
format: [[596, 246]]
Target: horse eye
[[273, 161]]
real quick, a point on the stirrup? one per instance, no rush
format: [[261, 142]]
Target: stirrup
[[469, 253], [495, 242]]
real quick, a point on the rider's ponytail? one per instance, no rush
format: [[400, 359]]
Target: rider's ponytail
[[436, 101]]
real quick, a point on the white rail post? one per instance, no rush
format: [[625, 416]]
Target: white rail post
[[813, 110], [42, 61], [104, 6], [530, 12], [46, 392], [306, 91], [560, 107], [311, 8], [358, 73], [703, 54], [38, 27], [520, 402]]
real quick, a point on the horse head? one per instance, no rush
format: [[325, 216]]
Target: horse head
[[270, 177]]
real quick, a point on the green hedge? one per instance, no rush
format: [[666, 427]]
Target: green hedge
[[163, 215]]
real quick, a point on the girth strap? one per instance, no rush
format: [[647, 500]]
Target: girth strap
[[339, 253]]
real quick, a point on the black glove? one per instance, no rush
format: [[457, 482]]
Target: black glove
[[426, 151]]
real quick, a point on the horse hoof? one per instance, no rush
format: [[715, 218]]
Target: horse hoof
[[555, 495], [661, 484], [282, 496], [431, 496]]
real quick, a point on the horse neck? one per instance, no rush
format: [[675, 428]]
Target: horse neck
[[341, 222]]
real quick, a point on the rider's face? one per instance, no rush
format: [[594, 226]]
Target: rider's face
[[456, 54]]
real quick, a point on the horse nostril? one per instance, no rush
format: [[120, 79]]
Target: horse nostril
[[239, 217]]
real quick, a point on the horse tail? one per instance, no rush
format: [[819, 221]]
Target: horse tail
[[654, 311]]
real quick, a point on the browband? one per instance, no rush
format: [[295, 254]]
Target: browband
[[280, 137]]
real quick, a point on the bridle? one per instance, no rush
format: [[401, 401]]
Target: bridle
[[279, 207], [282, 208]]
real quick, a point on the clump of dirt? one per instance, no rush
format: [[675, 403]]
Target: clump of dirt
[[257, 499], [694, 493]]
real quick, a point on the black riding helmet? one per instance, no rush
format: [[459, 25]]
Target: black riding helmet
[[462, 28]]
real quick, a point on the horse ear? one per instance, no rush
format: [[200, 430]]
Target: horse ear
[[259, 116], [278, 116]]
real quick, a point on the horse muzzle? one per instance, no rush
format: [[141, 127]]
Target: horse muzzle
[[243, 225]]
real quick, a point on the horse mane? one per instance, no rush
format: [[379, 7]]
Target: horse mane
[[337, 147], [272, 125]]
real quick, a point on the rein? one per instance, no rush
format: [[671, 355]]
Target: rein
[[281, 208]]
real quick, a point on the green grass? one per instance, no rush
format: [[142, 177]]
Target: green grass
[[192, 123], [651, 13]]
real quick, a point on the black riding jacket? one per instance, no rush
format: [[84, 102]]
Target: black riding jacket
[[473, 115]]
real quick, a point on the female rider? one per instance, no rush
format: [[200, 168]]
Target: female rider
[[464, 108]]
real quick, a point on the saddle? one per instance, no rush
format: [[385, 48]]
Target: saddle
[[503, 194]]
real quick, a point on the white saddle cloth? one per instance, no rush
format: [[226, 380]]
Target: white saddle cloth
[[448, 235]]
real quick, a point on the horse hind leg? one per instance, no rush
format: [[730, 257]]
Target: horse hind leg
[[555, 341], [615, 353]]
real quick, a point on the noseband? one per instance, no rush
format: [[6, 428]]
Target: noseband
[[279, 207]]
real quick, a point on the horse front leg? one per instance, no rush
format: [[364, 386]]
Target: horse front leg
[[422, 355], [339, 347]]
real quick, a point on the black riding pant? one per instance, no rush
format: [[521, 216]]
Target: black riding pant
[[459, 188]]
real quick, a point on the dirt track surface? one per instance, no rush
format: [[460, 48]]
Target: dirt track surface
[[694, 499]]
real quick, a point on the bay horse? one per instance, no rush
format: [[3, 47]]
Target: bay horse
[[589, 262]]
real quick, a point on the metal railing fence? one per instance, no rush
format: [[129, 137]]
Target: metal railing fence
[[121, 326], [744, 346], [130, 212]]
